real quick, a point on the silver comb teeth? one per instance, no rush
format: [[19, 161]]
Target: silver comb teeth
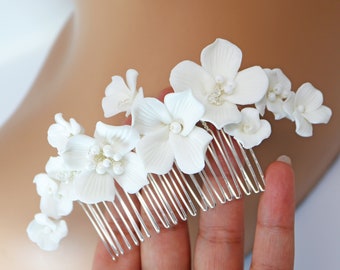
[[230, 172]]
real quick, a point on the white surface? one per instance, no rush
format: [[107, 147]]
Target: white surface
[[318, 225], [28, 30]]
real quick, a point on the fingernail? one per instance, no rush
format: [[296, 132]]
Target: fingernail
[[285, 159]]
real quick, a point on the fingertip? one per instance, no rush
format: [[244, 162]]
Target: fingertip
[[280, 169], [164, 92], [128, 120], [285, 159], [278, 201]]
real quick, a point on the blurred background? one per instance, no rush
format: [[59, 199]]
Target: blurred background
[[28, 30]]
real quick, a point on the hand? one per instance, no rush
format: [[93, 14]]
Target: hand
[[221, 234]]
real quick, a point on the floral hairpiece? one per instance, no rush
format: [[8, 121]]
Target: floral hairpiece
[[161, 133]]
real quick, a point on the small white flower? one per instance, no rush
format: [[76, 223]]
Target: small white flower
[[251, 131], [58, 170], [59, 133], [105, 158], [170, 133], [305, 108], [56, 196], [45, 232], [119, 96], [279, 89], [218, 85]]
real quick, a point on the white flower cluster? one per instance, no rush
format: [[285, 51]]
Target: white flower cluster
[[161, 133], [303, 107], [55, 188]]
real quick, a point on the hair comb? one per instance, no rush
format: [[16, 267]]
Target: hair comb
[[187, 153]]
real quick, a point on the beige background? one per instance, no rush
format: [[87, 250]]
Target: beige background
[[300, 37]]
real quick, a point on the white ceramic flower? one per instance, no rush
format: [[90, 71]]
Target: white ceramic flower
[[218, 85], [251, 131], [120, 96], [56, 188], [305, 108], [58, 170], [59, 132], [279, 89], [169, 133], [45, 232], [56, 200], [103, 158]]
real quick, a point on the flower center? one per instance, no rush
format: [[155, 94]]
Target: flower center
[[277, 89], [271, 96], [175, 127], [47, 230], [221, 88], [277, 92], [301, 108], [104, 160], [249, 128]]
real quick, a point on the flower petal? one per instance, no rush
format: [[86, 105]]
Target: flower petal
[[156, 152], [149, 115], [118, 97], [134, 176], [91, 187], [321, 115], [278, 80], [183, 106], [54, 165], [58, 136], [117, 103], [190, 150], [251, 140], [122, 138], [57, 170], [251, 85], [261, 105], [318, 116], [59, 133], [189, 75], [276, 108], [308, 96], [288, 106], [45, 185], [251, 131], [131, 79], [303, 127], [77, 148], [55, 206], [222, 115], [116, 86], [45, 232], [221, 58]]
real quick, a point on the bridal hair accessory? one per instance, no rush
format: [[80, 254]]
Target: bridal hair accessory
[[190, 151]]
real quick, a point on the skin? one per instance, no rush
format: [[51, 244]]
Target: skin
[[220, 239]]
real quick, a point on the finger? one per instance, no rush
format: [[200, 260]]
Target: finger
[[274, 238], [103, 261], [170, 249], [220, 239]]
